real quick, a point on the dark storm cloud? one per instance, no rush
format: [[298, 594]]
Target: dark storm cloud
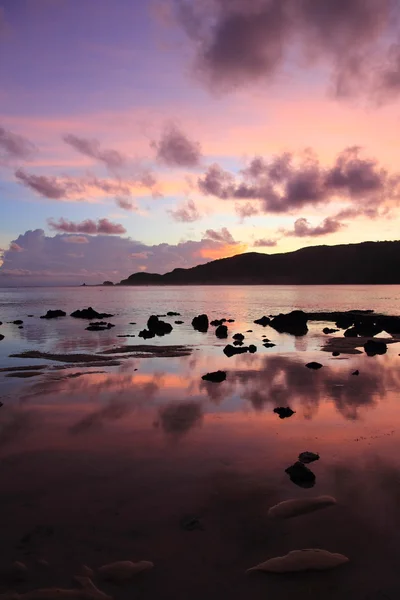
[[13, 146], [175, 149], [283, 185], [240, 41], [102, 226], [187, 213], [302, 228], [91, 147]]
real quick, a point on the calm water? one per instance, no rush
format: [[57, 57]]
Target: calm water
[[110, 463]]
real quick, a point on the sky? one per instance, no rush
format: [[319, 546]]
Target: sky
[[157, 134]]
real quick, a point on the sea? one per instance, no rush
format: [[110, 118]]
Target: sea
[[133, 456]]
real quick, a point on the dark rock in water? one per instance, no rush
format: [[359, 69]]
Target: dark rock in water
[[284, 412], [252, 348], [328, 330], [89, 313], [132, 323], [351, 332], [1, 337], [178, 322], [54, 314], [158, 327], [294, 323], [230, 320], [221, 332], [30, 315], [159, 316], [238, 336], [230, 350], [367, 328], [20, 327], [373, 347], [215, 377], [249, 331], [308, 457], [313, 365], [101, 326], [217, 322], [268, 345], [335, 353], [238, 343], [356, 372], [171, 313], [301, 475], [390, 324], [1, 322], [18, 322], [344, 322], [146, 335], [200, 323], [264, 321]]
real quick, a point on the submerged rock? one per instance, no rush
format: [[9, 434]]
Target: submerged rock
[[146, 334], [200, 323], [158, 327], [312, 559], [123, 570], [294, 323], [1, 337], [171, 313], [178, 322], [308, 457], [264, 321], [221, 332], [215, 377], [100, 326], [293, 508], [314, 365], [373, 347], [17, 322], [356, 372], [89, 313], [54, 314], [301, 475], [284, 412]]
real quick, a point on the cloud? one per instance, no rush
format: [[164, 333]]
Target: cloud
[[69, 188], [286, 183], [246, 210], [13, 146], [223, 235], [244, 41], [47, 259], [175, 149], [14, 247], [264, 243], [111, 158], [76, 239], [126, 204], [302, 228], [103, 226], [187, 213]]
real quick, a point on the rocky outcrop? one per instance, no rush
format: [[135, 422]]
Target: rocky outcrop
[[221, 332], [284, 412], [264, 321], [215, 377], [160, 328], [54, 314], [146, 334], [200, 323], [89, 313], [373, 347], [294, 323]]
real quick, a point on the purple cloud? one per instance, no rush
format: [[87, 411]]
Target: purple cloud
[[175, 149], [302, 228], [111, 158], [13, 146], [14, 247], [76, 239], [246, 210], [186, 213], [223, 235], [265, 243], [103, 226]]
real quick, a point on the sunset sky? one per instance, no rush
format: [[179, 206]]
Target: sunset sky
[[149, 135]]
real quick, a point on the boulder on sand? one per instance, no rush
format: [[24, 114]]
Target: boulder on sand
[[215, 377], [89, 313], [200, 323], [294, 323], [221, 332], [158, 327], [54, 314]]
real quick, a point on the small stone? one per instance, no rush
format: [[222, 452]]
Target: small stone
[[356, 372], [313, 365], [215, 377], [308, 457]]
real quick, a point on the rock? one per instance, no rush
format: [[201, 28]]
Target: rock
[[230, 350], [216, 376], [390, 324], [230, 320], [54, 314], [17, 322], [18, 571], [268, 345], [252, 348], [146, 335], [217, 322], [238, 336], [221, 332], [160, 328], [344, 322], [123, 570], [301, 475], [132, 323], [335, 353], [294, 323], [171, 313], [200, 323], [20, 327], [367, 328], [373, 347], [314, 365], [249, 331], [308, 457], [356, 372], [100, 326], [238, 343], [89, 313], [108, 283], [352, 332], [284, 412], [293, 508], [311, 559], [328, 330], [264, 321], [178, 322]]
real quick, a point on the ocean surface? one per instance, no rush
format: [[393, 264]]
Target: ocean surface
[[138, 458]]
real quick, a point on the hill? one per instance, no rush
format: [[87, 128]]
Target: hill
[[364, 263]]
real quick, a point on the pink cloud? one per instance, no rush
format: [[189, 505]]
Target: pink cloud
[[91, 147], [14, 247], [175, 149], [223, 236], [13, 146], [186, 213], [103, 226]]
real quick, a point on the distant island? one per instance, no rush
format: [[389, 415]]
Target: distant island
[[364, 263]]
